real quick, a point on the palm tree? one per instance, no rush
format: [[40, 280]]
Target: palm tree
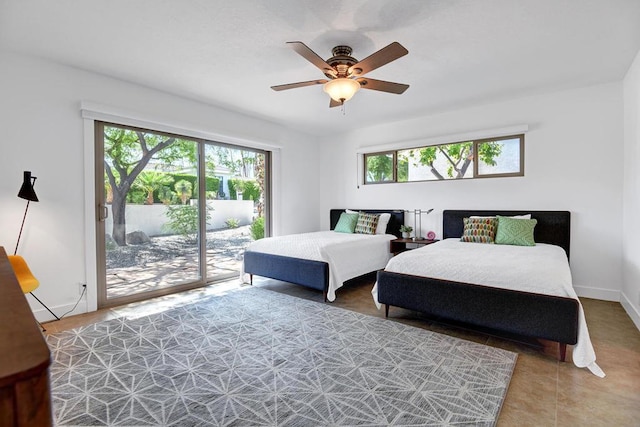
[[166, 195], [183, 188], [150, 181]]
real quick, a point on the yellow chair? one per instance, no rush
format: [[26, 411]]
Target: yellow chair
[[27, 280]]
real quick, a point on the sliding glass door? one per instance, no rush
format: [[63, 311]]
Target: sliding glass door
[[173, 212], [236, 212]]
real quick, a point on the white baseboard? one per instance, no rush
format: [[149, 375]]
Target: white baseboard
[[42, 315], [598, 293], [632, 311]]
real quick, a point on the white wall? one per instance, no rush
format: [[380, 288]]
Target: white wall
[[573, 161], [41, 130], [152, 219], [630, 298]]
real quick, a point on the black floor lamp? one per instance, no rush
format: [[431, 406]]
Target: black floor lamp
[[29, 194]]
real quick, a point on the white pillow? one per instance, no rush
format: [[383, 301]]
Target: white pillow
[[383, 220], [526, 216]]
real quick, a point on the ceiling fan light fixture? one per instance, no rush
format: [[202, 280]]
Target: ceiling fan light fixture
[[345, 73], [341, 89]]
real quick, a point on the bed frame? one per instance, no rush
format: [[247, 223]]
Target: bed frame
[[313, 274], [499, 310]]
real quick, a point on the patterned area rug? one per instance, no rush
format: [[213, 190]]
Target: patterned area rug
[[254, 357]]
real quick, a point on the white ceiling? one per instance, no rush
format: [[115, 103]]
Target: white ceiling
[[229, 53]]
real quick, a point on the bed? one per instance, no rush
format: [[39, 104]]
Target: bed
[[265, 258], [487, 307]]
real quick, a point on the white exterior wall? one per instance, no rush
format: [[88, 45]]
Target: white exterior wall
[[630, 298], [42, 130], [573, 161], [151, 219]]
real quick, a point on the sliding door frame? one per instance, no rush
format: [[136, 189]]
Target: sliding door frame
[[100, 213]]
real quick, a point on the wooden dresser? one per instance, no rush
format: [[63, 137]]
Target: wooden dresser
[[25, 392]]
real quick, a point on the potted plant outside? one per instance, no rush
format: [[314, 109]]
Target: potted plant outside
[[406, 231]]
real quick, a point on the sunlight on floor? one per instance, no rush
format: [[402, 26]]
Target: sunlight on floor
[[161, 304]]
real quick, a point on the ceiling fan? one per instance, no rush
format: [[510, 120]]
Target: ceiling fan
[[345, 73]]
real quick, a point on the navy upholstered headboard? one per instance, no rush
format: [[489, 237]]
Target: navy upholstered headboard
[[553, 227], [396, 220]]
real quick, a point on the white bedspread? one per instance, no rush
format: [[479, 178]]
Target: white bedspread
[[539, 269], [348, 255]]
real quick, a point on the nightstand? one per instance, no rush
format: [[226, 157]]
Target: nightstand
[[400, 245]]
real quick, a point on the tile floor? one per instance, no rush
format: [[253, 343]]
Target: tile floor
[[543, 391]]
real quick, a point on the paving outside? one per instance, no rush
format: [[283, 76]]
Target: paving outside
[[170, 260]]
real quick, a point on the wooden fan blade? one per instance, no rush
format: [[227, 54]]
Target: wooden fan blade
[[334, 103], [299, 84], [385, 55], [381, 85], [304, 51]]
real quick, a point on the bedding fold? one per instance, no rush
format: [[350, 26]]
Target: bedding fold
[[348, 255]]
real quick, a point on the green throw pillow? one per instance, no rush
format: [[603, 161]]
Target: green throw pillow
[[518, 232], [346, 223]]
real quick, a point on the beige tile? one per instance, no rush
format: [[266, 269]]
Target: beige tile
[[531, 400], [533, 363], [596, 407], [622, 380]]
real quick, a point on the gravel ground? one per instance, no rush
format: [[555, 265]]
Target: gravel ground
[[225, 243]]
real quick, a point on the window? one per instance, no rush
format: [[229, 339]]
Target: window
[[483, 158], [501, 157], [379, 168]]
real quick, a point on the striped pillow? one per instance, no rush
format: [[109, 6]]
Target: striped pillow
[[367, 223], [479, 230]]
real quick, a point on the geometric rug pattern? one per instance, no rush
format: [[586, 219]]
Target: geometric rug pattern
[[254, 357]]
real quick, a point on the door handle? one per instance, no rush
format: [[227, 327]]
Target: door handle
[[103, 213]]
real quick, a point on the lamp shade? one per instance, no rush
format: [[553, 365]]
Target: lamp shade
[[26, 191], [341, 89]]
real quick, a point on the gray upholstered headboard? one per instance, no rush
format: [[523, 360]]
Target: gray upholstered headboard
[[396, 220], [553, 227]]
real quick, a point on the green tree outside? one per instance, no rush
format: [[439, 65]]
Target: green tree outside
[[184, 190], [151, 181], [126, 154], [458, 158]]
